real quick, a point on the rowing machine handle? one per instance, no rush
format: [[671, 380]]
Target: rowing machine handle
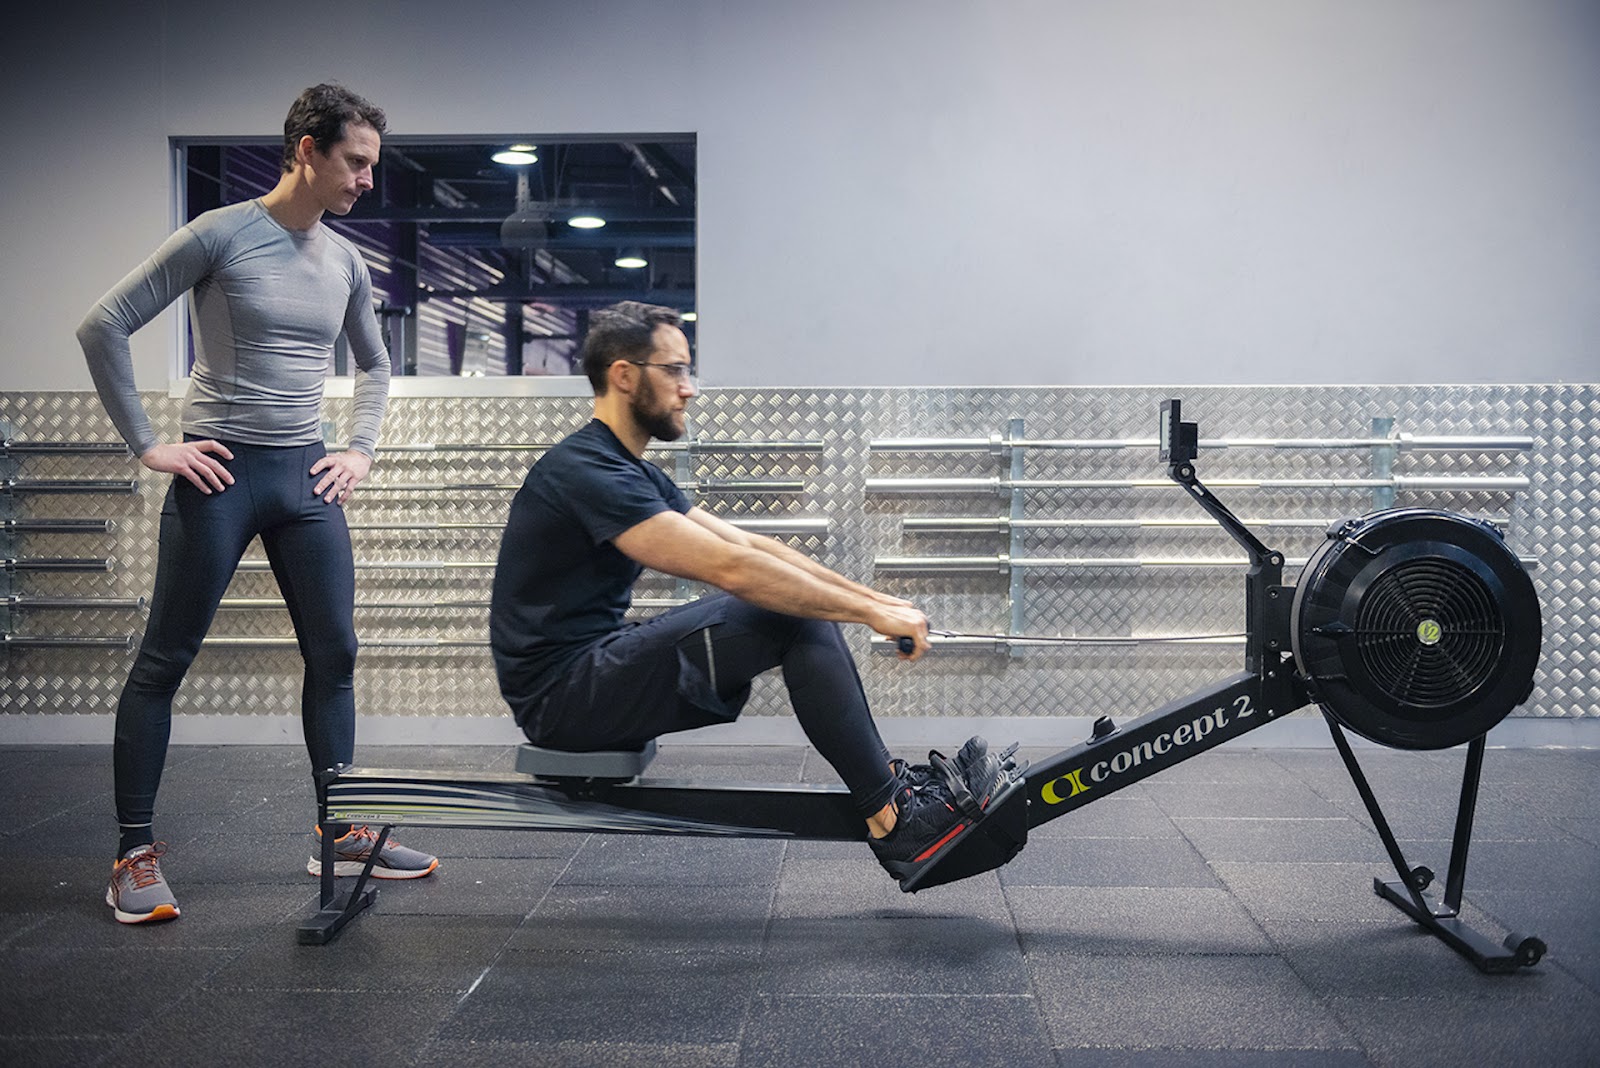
[[906, 645]]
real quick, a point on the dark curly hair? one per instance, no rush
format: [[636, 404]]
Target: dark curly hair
[[624, 331], [322, 112]]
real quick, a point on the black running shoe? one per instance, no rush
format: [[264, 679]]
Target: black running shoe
[[926, 823], [936, 812]]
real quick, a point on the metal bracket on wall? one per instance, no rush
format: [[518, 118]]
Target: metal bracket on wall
[[1383, 453], [683, 464], [1016, 588], [8, 472]]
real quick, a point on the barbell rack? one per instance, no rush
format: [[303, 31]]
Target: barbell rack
[[1004, 564], [15, 565], [800, 525], [24, 602], [68, 641], [1403, 442], [697, 446], [58, 526], [1004, 486], [1010, 447], [12, 486], [10, 447], [729, 485]]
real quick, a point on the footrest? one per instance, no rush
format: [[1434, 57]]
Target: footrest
[[617, 765], [983, 846]]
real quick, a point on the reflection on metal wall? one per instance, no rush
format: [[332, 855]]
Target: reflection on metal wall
[[427, 531]]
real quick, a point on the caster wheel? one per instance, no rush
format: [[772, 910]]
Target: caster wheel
[[1528, 950], [1421, 877]]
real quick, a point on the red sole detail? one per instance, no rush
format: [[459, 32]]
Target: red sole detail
[[940, 844]]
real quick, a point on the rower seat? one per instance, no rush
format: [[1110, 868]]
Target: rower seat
[[614, 765]]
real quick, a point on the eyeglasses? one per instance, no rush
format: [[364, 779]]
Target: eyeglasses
[[680, 373]]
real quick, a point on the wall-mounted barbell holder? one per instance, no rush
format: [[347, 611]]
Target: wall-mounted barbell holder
[[716, 485], [123, 642], [693, 446], [10, 447], [1008, 642], [255, 566], [45, 563], [13, 486], [1001, 524], [22, 602], [800, 525], [1004, 486], [998, 443], [58, 526], [289, 642], [259, 603], [1012, 445], [1002, 564]]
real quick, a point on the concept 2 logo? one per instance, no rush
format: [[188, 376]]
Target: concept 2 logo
[[1071, 784], [1053, 797]]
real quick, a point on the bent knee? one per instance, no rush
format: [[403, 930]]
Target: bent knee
[[797, 629]]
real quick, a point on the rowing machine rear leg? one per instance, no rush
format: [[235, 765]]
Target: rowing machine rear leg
[[1440, 916]]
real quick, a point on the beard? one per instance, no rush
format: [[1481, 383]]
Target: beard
[[653, 417]]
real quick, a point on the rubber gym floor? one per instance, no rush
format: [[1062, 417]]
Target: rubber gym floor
[[1220, 913]]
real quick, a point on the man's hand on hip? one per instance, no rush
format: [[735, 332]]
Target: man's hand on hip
[[345, 471]]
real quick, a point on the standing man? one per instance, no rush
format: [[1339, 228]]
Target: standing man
[[271, 290], [592, 514]]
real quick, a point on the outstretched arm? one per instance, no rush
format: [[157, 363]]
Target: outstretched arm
[[689, 548], [772, 546]]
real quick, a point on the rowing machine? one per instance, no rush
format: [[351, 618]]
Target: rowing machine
[[1415, 628]]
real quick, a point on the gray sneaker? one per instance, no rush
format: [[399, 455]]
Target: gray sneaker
[[138, 893], [351, 850]]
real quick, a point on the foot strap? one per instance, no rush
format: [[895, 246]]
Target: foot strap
[[960, 792]]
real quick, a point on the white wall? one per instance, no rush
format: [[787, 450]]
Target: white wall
[[922, 191]]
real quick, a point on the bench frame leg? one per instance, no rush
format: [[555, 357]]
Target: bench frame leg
[[337, 909]]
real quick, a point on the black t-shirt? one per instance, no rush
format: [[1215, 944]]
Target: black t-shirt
[[560, 585]]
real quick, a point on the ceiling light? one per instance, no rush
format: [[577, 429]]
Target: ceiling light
[[689, 317], [523, 148], [515, 156], [632, 259], [586, 222]]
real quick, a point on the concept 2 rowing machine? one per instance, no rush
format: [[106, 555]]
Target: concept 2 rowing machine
[[1415, 628]]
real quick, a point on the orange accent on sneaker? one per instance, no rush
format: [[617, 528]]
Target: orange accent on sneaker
[[357, 833], [141, 867]]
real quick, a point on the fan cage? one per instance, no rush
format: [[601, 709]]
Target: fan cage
[[1402, 652]]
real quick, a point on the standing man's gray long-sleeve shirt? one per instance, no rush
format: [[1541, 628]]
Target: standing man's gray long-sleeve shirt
[[267, 305]]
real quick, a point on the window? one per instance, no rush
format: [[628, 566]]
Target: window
[[486, 268]]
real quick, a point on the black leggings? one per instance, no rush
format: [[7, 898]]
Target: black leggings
[[691, 667], [202, 538]]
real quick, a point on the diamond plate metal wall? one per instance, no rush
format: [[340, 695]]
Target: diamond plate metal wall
[[426, 529]]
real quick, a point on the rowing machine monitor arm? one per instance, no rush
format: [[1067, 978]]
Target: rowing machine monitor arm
[[1267, 600]]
